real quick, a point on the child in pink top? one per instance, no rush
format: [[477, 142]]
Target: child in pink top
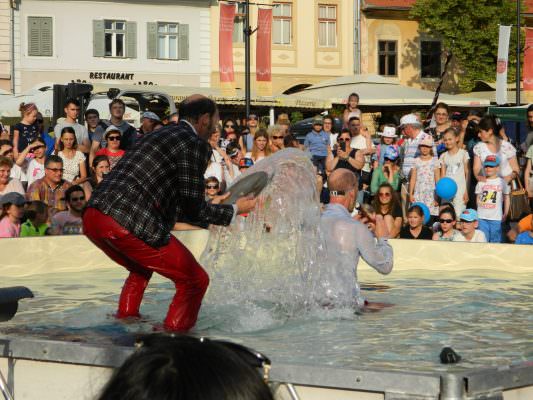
[[11, 215]]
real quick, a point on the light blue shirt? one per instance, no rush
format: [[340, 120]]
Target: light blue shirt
[[317, 143]]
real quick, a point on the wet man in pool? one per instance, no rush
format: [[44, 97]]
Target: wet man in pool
[[346, 239], [156, 183]]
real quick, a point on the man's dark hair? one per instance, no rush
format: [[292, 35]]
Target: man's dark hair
[[354, 118], [117, 101], [91, 111], [72, 101], [72, 189], [52, 159], [195, 106]]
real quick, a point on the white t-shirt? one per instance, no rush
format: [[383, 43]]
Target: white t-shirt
[[249, 155], [215, 166], [227, 176], [455, 167], [34, 171], [81, 131], [18, 173], [359, 142], [13, 185], [333, 140], [71, 166], [490, 198], [479, 237], [507, 151]]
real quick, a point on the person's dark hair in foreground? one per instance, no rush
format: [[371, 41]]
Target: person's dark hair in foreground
[[187, 368]]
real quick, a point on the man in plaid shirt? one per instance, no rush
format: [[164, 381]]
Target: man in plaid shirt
[[131, 213]]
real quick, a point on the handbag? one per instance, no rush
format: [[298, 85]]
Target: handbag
[[519, 201]]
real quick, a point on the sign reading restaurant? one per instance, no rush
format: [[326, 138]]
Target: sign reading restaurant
[[118, 76]]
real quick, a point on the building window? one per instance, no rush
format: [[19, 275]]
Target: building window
[[167, 41], [430, 59], [327, 26], [40, 37], [238, 27], [387, 57], [115, 38], [282, 23]]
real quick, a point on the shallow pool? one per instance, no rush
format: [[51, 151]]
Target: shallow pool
[[485, 317]]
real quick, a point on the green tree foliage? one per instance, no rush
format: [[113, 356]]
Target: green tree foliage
[[470, 28]]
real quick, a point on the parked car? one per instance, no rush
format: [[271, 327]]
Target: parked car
[[302, 128]]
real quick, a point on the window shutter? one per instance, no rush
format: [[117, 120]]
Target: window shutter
[[183, 42], [98, 38], [34, 36], [151, 40], [131, 39], [47, 40]]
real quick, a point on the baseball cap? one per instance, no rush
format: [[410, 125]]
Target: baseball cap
[[318, 121], [151, 115], [391, 153], [246, 163], [427, 140], [491, 161], [410, 119], [389, 132], [469, 215], [12, 198]]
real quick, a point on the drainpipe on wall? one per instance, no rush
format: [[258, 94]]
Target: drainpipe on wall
[[357, 37], [12, 33]]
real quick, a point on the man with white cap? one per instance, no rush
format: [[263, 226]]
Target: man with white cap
[[411, 127]]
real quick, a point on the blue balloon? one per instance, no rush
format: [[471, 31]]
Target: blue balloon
[[446, 188], [425, 209]]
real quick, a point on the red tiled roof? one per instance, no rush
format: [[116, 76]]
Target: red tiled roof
[[409, 3]]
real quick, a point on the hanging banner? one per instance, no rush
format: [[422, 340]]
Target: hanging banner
[[264, 52], [501, 66], [528, 67], [225, 49]]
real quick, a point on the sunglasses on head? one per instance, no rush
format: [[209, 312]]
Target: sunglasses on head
[[445, 221]]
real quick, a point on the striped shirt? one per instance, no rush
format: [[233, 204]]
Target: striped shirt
[[54, 197]]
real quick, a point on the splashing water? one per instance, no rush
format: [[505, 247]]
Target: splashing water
[[266, 260]]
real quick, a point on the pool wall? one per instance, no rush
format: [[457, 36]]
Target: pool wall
[[45, 369]]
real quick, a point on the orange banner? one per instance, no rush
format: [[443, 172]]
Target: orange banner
[[225, 49], [264, 52], [528, 66]]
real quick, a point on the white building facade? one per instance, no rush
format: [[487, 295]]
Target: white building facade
[[160, 42]]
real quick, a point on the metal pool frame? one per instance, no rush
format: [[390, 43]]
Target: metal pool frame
[[20, 355]]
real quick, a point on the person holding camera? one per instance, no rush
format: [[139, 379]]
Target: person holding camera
[[343, 156]]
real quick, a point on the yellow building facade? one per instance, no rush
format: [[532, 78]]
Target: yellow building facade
[[311, 41]]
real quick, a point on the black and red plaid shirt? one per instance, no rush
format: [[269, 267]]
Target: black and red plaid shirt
[[158, 182]]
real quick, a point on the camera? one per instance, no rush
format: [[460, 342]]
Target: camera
[[342, 146]]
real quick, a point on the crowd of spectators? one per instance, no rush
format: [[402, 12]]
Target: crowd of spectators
[[47, 178]]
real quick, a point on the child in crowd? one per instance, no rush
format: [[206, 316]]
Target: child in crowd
[[388, 140], [424, 175], [415, 228], [34, 155], [212, 188], [447, 221], [492, 200], [351, 109], [469, 224], [389, 171], [11, 214], [37, 215], [113, 135], [526, 237], [454, 164]]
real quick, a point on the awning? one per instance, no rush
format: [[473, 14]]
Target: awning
[[376, 90]]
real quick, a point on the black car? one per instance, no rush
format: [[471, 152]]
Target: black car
[[302, 128]]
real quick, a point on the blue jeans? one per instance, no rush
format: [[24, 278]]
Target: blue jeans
[[491, 229]]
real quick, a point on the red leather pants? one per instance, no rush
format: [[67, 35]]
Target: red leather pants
[[174, 261]]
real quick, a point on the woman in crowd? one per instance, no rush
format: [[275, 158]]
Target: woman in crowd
[[343, 156], [351, 109], [74, 170], [415, 228], [387, 204], [218, 159], [442, 119], [260, 148], [11, 214], [388, 172], [212, 188], [492, 144], [99, 168], [329, 128], [447, 222], [114, 153], [424, 175], [8, 184], [34, 156], [454, 164], [276, 136], [26, 130], [229, 128]]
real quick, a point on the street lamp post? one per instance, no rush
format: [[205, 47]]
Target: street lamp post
[[247, 34], [518, 52]]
